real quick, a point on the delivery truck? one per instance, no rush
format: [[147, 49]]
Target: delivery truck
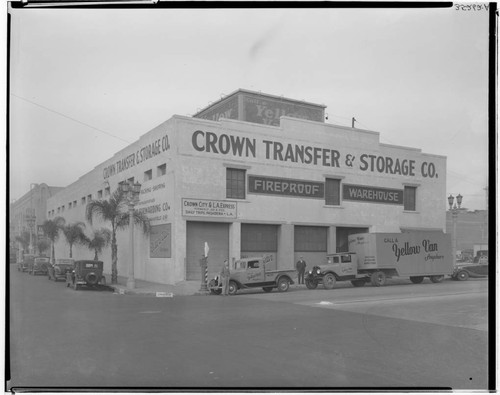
[[374, 257]]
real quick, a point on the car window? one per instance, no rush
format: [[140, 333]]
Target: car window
[[253, 264], [335, 259]]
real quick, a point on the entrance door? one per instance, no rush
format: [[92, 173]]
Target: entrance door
[[216, 234]]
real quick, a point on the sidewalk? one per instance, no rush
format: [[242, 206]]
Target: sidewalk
[[147, 288]]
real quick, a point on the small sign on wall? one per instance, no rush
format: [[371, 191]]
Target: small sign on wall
[[209, 208], [160, 245]]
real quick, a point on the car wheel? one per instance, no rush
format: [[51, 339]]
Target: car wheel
[[437, 279], [283, 284], [311, 284], [329, 281], [417, 279], [462, 275], [267, 289], [358, 283], [378, 279], [233, 288]]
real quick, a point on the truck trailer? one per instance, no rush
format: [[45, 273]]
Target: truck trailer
[[374, 257]]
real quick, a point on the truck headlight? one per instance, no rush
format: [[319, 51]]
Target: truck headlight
[[318, 271], [310, 272]]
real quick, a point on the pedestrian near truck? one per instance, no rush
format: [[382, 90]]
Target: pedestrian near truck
[[301, 269], [225, 274]]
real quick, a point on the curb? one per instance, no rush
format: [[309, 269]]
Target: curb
[[121, 290]]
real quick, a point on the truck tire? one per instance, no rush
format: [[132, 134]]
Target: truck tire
[[329, 281], [358, 283], [283, 284], [416, 279], [437, 278], [378, 279], [462, 275], [267, 289], [311, 284], [233, 288]]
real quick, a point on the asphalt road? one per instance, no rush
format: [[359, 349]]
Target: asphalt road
[[398, 336]]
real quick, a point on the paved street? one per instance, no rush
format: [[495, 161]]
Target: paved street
[[401, 335]]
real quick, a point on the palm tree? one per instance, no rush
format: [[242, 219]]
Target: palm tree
[[100, 239], [42, 245], [74, 235], [24, 239], [115, 211], [51, 228]]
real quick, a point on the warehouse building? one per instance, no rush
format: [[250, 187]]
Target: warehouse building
[[256, 174]]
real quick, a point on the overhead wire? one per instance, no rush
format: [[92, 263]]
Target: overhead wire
[[70, 118]]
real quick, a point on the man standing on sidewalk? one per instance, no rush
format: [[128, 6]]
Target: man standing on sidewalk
[[301, 269], [225, 274]]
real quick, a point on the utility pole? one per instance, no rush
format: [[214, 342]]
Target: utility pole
[[353, 120]]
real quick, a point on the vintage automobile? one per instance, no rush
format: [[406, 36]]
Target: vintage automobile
[[40, 264], [87, 273], [60, 268], [252, 273], [464, 270], [23, 265]]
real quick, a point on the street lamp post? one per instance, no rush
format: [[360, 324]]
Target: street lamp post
[[131, 192], [31, 219], [454, 216]]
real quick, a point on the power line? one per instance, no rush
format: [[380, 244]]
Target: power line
[[70, 118]]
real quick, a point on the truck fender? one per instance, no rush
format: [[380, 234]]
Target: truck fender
[[284, 276], [331, 271]]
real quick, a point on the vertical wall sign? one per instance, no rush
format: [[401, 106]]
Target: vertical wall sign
[[160, 244]]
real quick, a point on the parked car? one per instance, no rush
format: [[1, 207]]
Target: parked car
[[24, 264], [39, 265], [87, 273], [60, 268], [463, 271]]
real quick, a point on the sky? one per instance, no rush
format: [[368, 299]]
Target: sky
[[86, 83]]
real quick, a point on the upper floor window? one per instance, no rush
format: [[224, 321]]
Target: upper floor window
[[332, 192], [161, 170], [107, 191], [148, 175], [235, 183], [99, 194], [410, 198]]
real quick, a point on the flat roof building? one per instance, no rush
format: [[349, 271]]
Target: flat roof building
[[298, 187]]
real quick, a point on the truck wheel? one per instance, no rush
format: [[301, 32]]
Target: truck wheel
[[378, 279], [267, 289], [437, 279], [233, 288], [358, 283], [329, 281], [417, 279], [311, 284], [462, 275], [283, 284]]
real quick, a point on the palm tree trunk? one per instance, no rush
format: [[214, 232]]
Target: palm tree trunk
[[71, 250], [53, 253], [96, 258], [114, 262]]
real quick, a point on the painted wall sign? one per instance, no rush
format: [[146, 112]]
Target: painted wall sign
[[153, 206], [372, 194], [268, 111], [160, 241], [209, 208], [241, 146], [227, 110], [285, 187], [135, 158]]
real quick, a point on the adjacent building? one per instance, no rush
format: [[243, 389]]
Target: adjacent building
[[257, 174]]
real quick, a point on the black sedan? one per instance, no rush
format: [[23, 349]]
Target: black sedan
[[465, 270]]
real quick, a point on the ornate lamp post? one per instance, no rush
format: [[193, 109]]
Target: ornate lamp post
[[30, 220], [131, 192], [454, 215]]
